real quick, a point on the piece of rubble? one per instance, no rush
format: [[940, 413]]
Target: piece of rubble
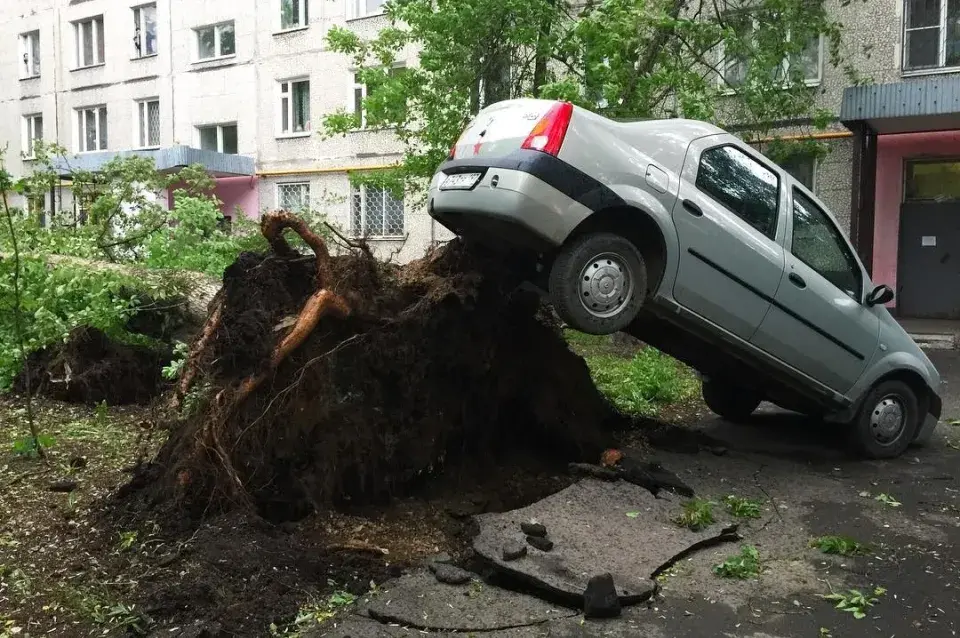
[[537, 542], [513, 550], [450, 574], [534, 529], [600, 598]]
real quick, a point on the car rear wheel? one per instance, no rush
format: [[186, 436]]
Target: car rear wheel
[[598, 283], [732, 402], [888, 421]]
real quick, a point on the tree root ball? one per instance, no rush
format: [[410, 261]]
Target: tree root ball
[[438, 362]]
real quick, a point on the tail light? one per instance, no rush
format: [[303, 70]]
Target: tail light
[[547, 136], [453, 151]]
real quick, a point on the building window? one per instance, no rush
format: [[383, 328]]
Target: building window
[[148, 119], [932, 180], [89, 34], [92, 129], [359, 92], [218, 137], [216, 41], [364, 8], [32, 133], [375, 212], [145, 30], [293, 14], [30, 54], [293, 197], [750, 190], [803, 168], [808, 63], [294, 107], [931, 34]]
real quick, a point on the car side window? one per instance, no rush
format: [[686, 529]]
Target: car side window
[[818, 243], [745, 186]]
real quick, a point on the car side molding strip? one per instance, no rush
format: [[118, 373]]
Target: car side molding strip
[[820, 331]]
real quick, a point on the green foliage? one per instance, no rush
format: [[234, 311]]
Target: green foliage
[[29, 447], [855, 601], [639, 385], [697, 515], [180, 352], [126, 540], [315, 613], [744, 565], [743, 507], [622, 58], [888, 500], [839, 545]]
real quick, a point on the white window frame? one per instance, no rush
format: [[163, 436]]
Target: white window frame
[[219, 126], [941, 42], [96, 27], [289, 108], [302, 17], [811, 81], [355, 10], [140, 30], [100, 117], [29, 134], [358, 233], [218, 53], [352, 99], [31, 64], [301, 185], [142, 123]]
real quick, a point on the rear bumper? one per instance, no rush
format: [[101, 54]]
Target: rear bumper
[[527, 199]]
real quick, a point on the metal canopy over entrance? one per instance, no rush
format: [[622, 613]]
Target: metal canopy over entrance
[[168, 160]]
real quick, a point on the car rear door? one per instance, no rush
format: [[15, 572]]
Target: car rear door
[[728, 220], [819, 323]]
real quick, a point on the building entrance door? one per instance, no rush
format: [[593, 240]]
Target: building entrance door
[[928, 262]]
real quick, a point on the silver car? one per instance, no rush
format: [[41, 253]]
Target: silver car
[[682, 235]]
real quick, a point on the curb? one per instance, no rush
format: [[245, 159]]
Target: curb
[[942, 341]]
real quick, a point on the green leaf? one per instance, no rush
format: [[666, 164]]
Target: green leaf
[[633, 514]]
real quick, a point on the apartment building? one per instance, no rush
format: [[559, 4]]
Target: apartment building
[[239, 86]]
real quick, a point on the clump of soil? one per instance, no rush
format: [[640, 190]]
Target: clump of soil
[[439, 364], [90, 367]]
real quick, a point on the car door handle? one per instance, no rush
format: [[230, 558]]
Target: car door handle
[[692, 208], [797, 280]]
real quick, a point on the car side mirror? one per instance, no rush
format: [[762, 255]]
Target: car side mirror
[[880, 295]]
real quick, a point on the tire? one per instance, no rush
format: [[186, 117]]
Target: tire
[[731, 402], [598, 283], [887, 422]]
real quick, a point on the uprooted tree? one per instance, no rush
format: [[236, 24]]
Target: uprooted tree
[[321, 378]]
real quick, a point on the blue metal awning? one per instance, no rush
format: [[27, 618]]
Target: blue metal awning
[[911, 106], [167, 160]]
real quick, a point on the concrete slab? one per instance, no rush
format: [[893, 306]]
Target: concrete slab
[[593, 534], [417, 600]]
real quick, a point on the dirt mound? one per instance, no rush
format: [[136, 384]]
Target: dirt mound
[[326, 380], [90, 367]]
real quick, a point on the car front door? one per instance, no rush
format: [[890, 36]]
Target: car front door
[[819, 323], [728, 222]]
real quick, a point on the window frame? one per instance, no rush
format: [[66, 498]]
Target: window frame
[[142, 123], [31, 63], [29, 135], [301, 184], [941, 28], [355, 10], [776, 171], [848, 253], [140, 30], [357, 233], [814, 168], [289, 110], [302, 18], [218, 53], [219, 128], [101, 115], [353, 106], [99, 44], [729, 88]]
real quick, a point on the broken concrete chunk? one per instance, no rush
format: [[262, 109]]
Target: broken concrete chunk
[[534, 529], [600, 598], [513, 550], [543, 544], [450, 574], [439, 559]]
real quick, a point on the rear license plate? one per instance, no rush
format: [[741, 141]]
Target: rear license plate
[[459, 181]]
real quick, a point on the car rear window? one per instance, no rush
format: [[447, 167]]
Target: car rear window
[[745, 186]]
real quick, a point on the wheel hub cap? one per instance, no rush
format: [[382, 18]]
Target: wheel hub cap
[[605, 285], [887, 419]]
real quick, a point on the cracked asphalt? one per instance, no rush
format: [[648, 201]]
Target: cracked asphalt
[[810, 487]]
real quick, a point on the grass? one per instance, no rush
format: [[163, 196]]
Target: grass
[[743, 507], [744, 565], [839, 545], [697, 515]]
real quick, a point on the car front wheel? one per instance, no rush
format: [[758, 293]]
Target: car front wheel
[[731, 402], [887, 422], [598, 283]]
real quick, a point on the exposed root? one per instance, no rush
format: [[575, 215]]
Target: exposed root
[[272, 226], [192, 365]]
